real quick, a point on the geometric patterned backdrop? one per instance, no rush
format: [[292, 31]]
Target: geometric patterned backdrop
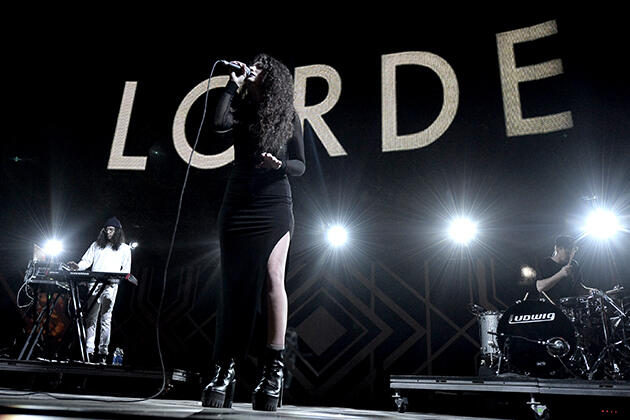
[[355, 326]]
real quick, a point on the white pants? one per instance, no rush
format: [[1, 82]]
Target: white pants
[[103, 306]]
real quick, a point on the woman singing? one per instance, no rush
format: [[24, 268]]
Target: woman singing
[[255, 225]]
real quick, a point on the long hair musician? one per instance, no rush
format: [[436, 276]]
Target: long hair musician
[[110, 254]]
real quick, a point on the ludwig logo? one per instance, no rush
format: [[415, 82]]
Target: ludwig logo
[[529, 318]]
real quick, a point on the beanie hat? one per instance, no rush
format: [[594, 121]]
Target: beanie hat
[[112, 221]]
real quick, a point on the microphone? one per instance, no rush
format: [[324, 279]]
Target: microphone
[[235, 66], [557, 346]]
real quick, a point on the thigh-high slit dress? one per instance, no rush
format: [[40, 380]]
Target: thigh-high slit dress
[[257, 211]]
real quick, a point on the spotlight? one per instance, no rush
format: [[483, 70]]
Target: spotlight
[[602, 224], [528, 272], [337, 236], [134, 245], [53, 247], [463, 230]]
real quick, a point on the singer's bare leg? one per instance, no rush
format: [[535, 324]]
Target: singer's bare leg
[[276, 294]]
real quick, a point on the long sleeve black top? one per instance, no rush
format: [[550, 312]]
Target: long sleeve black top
[[246, 153]]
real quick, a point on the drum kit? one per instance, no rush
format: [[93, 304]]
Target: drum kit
[[585, 337]]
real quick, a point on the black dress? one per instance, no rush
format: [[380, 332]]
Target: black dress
[[257, 211]]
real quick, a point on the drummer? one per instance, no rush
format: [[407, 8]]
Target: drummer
[[557, 274]]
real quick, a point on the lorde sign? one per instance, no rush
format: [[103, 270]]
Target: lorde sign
[[511, 76]]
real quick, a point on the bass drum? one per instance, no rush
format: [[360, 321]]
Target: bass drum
[[521, 330]]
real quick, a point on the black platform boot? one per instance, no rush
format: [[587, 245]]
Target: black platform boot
[[268, 394], [220, 391]]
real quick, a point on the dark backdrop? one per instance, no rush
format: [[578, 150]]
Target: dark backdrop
[[393, 301]]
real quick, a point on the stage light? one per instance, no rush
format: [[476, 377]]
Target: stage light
[[463, 230], [602, 224], [528, 272], [337, 236], [134, 245], [53, 247]]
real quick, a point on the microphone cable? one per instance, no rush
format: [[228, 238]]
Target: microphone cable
[[172, 243]]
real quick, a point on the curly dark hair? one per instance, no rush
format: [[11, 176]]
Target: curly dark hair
[[117, 239], [273, 125]]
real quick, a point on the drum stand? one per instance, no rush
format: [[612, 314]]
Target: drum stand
[[606, 355], [579, 359]]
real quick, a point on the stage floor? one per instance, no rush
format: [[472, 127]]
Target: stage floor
[[54, 405]]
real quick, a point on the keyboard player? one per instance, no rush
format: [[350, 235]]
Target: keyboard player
[[109, 253]]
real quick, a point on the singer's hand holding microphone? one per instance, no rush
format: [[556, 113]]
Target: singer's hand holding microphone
[[240, 71]]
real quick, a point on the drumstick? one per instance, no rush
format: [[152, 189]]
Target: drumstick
[[548, 298], [573, 251]]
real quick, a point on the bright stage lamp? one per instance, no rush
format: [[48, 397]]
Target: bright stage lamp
[[602, 224], [528, 272], [337, 236], [53, 247], [134, 245], [463, 230]]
